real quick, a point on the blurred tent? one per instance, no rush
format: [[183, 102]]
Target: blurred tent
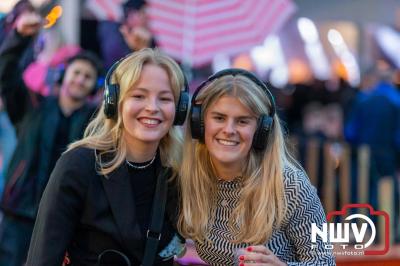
[[194, 32]]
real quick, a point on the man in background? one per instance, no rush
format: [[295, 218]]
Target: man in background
[[45, 126]]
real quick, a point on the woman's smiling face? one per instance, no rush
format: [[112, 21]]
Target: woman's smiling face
[[229, 130], [148, 110]]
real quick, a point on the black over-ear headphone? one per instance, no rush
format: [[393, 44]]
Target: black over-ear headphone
[[265, 121], [111, 95]]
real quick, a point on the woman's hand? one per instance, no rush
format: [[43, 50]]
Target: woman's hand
[[136, 38], [28, 23], [258, 256]]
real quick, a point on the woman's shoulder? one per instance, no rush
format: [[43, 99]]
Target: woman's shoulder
[[79, 153], [75, 168], [79, 157], [294, 175], [299, 192], [297, 184]]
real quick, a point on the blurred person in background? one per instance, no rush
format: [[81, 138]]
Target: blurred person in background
[[43, 75], [8, 142], [8, 23], [242, 192], [45, 126], [375, 120], [135, 28], [8, 139], [45, 55], [120, 36]]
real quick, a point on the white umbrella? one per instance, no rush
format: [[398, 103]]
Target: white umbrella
[[194, 31]]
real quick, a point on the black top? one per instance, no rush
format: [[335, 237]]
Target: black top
[[85, 213], [61, 139], [143, 182]]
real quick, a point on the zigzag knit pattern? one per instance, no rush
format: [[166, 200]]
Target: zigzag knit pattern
[[291, 243]]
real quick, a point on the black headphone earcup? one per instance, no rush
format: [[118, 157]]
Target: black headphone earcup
[[182, 108], [111, 93], [196, 122], [264, 127]]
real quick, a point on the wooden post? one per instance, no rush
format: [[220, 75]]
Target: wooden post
[[312, 160], [329, 193], [363, 165], [386, 203], [363, 172], [344, 174]]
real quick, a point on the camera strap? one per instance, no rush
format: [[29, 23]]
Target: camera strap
[[153, 235]]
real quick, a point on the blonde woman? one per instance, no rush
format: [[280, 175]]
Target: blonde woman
[[100, 194], [245, 201]]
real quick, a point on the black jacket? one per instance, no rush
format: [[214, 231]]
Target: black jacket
[[35, 118], [85, 213]]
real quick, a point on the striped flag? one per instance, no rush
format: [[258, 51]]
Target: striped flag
[[194, 31]]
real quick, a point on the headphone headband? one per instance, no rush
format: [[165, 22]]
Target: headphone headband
[[111, 95], [107, 79], [235, 72]]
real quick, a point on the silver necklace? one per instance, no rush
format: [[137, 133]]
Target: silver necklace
[[140, 166]]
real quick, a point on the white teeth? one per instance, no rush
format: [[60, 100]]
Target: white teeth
[[150, 121], [227, 142]]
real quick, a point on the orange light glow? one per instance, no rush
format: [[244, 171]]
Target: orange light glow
[[53, 16], [243, 61], [299, 71], [340, 69]]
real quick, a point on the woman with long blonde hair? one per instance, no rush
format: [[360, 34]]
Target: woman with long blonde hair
[[99, 199], [242, 193]]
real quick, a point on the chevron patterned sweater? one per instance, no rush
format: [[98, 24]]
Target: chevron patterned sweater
[[291, 243]]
